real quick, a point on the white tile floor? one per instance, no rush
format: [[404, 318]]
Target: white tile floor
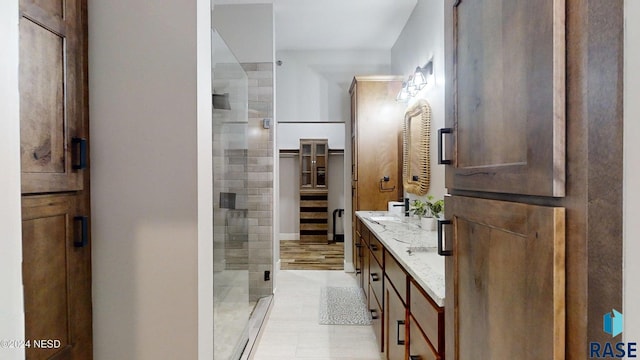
[[292, 330]]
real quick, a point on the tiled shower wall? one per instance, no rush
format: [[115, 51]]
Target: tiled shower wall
[[260, 175]]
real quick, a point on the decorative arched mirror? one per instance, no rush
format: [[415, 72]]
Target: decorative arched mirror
[[416, 135]]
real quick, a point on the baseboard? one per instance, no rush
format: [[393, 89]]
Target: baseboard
[[348, 267], [289, 236], [296, 236]]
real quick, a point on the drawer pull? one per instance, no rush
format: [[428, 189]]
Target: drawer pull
[[398, 323], [374, 277], [441, 250], [374, 247], [359, 247], [374, 314], [415, 357]]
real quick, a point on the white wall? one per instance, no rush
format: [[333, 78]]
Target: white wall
[[143, 84], [631, 194], [11, 303], [314, 85], [247, 30], [289, 134], [422, 39]]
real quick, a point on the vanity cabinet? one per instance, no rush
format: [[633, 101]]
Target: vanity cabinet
[[396, 321], [408, 324], [395, 306], [426, 322]]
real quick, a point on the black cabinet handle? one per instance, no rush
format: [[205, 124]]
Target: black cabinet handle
[[441, 132], [359, 247], [374, 247], [374, 277], [441, 250], [374, 314], [358, 271], [84, 231], [414, 357], [398, 323], [81, 143]]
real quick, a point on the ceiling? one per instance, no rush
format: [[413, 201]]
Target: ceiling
[[336, 24]]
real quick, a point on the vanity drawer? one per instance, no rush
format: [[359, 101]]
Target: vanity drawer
[[375, 278], [396, 275], [376, 319], [428, 315], [365, 234], [376, 248], [419, 347]]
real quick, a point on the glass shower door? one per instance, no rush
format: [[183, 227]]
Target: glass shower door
[[231, 305]]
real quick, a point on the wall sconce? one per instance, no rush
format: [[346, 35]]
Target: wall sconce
[[416, 82], [403, 95]]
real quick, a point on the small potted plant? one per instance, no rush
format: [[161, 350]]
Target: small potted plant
[[436, 208], [427, 211], [419, 208]]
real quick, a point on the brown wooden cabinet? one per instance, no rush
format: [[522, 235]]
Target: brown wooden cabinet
[[396, 321], [427, 318], [532, 144], [376, 143], [314, 191], [407, 321], [313, 164], [55, 177], [52, 126], [507, 279], [508, 125], [57, 276]]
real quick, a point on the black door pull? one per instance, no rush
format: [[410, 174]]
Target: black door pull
[[441, 132], [441, 250], [398, 323], [83, 232]]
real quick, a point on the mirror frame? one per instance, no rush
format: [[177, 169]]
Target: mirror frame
[[421, 186]]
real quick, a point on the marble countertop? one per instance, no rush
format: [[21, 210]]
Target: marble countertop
[[415, 249]]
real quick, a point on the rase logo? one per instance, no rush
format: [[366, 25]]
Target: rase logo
[[612, 324]]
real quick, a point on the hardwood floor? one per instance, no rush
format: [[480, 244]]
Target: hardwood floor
[[297, 256]]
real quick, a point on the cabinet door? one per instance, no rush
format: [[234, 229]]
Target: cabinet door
[[56, 272], [379, 126], [395, 324], [306, 165], [505, 295], [50, 95], [419, 347], [320, 165], [505, 96]]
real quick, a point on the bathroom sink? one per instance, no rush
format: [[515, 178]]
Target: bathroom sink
[[384, 218]]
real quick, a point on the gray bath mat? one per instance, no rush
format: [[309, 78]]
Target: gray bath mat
[[343, 306]]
